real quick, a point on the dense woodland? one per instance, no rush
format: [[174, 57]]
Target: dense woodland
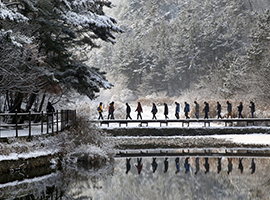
[[220, 47], [51, 49], [43, 51]]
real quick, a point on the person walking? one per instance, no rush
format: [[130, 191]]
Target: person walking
[[252, 108], [128, 110], [50, 110], [166, 111], [177, 110], [197, 109], [206, 110], [111, 111], [100, 111], [229, 109], [219, 110], [240, 108], [154, 111], [186, 110], [139, 110]]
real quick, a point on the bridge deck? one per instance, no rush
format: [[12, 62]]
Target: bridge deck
[[247, 121]]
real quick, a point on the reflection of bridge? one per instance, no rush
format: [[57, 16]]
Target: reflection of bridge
[[245, 121], [196, 153]]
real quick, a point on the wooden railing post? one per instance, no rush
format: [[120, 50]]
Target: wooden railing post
[[57, 122], [52, 122], [47, 122], [42, 122], [29, 124], [16, 119]]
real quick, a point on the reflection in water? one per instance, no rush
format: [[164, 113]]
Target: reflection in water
[[125, 178], [128, 166], [206, 165], [240, 165], [219, 165], [229, 165], [197, 164], [166, 165], [177, 165], [139, 165], [154, 165], [253, 166], [186, 165]]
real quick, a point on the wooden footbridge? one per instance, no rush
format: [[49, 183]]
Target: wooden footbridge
[[187, 122]]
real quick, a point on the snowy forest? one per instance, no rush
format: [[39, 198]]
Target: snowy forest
[[213, 48], [44, 46], [53, 49]]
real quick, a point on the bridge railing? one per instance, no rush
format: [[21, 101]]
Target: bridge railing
[[187, 122], [26, 124]]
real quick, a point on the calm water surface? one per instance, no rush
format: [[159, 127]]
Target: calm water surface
[[110, 181]]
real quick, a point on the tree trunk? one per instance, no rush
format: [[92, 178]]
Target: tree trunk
[[17, 105]]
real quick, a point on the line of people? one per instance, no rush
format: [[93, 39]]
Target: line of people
[[206, 165], [154, 110]]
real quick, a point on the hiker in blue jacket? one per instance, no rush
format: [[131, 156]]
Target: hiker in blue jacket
[[206, 110], [186, 110]]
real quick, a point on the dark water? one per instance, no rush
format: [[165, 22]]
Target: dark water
[[110, 181]]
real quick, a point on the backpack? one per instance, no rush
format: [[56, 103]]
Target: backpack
[[98, 108]]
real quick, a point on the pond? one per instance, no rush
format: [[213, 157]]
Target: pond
[[159, 178]]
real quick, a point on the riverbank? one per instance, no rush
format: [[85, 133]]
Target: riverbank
[[186, 131]]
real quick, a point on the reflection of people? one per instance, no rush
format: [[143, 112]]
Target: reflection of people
[[139, 110], [166, 111], [166, 165], [240, 165], [206, 165], [50, 111], [197, 164], [219, 165], [186, 165], [154, 165], [139, 165], [177, 165], [128, 166], [230, 165], [253, 166], [128, 110]]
